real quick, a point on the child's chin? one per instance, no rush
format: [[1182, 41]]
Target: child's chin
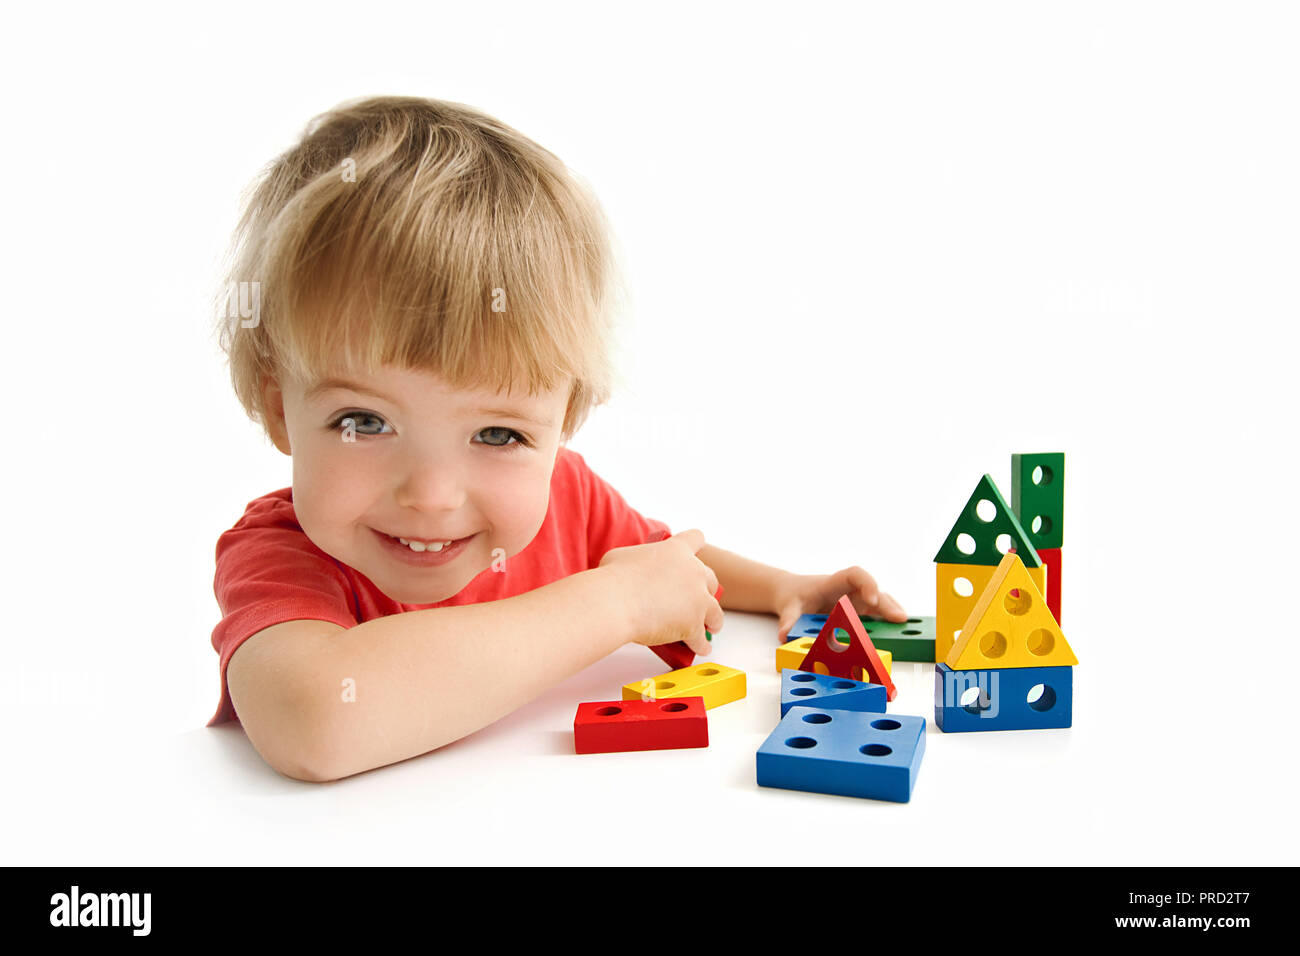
[[406, 593]]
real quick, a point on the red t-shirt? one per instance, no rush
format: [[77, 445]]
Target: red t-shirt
[[268, 571]]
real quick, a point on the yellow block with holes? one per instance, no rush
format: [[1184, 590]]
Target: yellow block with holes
[[1010, 626], [792, 653], [716, 683], [952, 608]]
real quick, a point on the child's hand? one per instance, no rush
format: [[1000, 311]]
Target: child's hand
[[668, 590], [817, 594]]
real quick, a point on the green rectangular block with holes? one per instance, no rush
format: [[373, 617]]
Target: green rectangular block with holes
[[1038, 496], [910, 640]]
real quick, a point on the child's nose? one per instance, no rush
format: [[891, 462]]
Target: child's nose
[[431, 486]]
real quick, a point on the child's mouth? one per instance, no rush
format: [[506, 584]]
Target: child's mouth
[[422, 551]]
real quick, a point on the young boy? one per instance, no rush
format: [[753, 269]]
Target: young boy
[[421, 299]]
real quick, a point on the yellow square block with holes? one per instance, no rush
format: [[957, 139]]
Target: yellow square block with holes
[[957, 589], [792, 653], [716, 683]]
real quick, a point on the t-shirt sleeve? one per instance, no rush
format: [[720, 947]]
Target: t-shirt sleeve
[[611, 521], [269, 572]]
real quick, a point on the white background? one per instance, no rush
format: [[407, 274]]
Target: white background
[[872, 250]]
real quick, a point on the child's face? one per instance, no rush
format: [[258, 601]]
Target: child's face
[[401, 454]]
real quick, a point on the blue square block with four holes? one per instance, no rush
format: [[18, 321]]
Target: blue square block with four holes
[[831, 693], [1007, 698], [843, 752]]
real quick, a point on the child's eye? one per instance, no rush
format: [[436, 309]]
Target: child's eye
[[361, 423], [499, 437]]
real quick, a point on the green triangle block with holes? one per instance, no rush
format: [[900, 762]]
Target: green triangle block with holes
[[985, 533]]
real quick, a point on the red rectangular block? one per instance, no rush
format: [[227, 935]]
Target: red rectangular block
[[613, 726], [1052, 558]]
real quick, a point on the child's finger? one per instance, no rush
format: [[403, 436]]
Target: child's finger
[[890, 609], [786, 619]]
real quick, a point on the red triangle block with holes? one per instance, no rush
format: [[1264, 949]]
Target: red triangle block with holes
[[841, 659]]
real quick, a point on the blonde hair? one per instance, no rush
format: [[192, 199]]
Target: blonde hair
[[428, 235]]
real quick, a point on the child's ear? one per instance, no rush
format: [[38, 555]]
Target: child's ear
[[273, 415]]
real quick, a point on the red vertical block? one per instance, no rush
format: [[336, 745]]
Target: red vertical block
[[1052, 558], [613, 726]]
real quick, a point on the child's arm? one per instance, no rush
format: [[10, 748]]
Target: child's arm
[[750, 586], [422, 679]]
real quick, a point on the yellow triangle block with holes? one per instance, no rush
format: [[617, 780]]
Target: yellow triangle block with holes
[[1010, 626]]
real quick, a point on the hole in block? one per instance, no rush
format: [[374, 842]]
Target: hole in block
[[885, 723], [993, 644], [664, 685], [985, 510], [844, 685], [974, 701], [820, 668], [804, 692], [707, 671], [911, 633], [802, 678], [1003, 543], [801, 743], [965, 543], [817, 718], [841, 635], [962, 587], [675, 707], [876, 750], [1041, 524], [608, 711], [1017, 601], [1041, 698], [913, 620], [819, 618], [1042, 475], [1041, 642]]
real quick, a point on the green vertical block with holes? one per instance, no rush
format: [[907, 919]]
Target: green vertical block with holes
[[1038, 496], [984, 533]]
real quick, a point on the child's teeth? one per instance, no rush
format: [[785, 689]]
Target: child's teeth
[[420, 546]]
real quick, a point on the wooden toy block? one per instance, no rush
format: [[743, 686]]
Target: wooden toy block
[[1011, 698], [1010, 626], [876, 756], [856, 660], [911, 640], [716, 683], [791, 654], [954, 606], [679, 654], [829, 693], [1038, 496], [614, 726], [1052, 561], [974, 537], [676, 655]]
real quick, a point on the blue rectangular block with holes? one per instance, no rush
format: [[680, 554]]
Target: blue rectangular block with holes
[[910, 640], [1008, 698], [830, 693], [843, 752]]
